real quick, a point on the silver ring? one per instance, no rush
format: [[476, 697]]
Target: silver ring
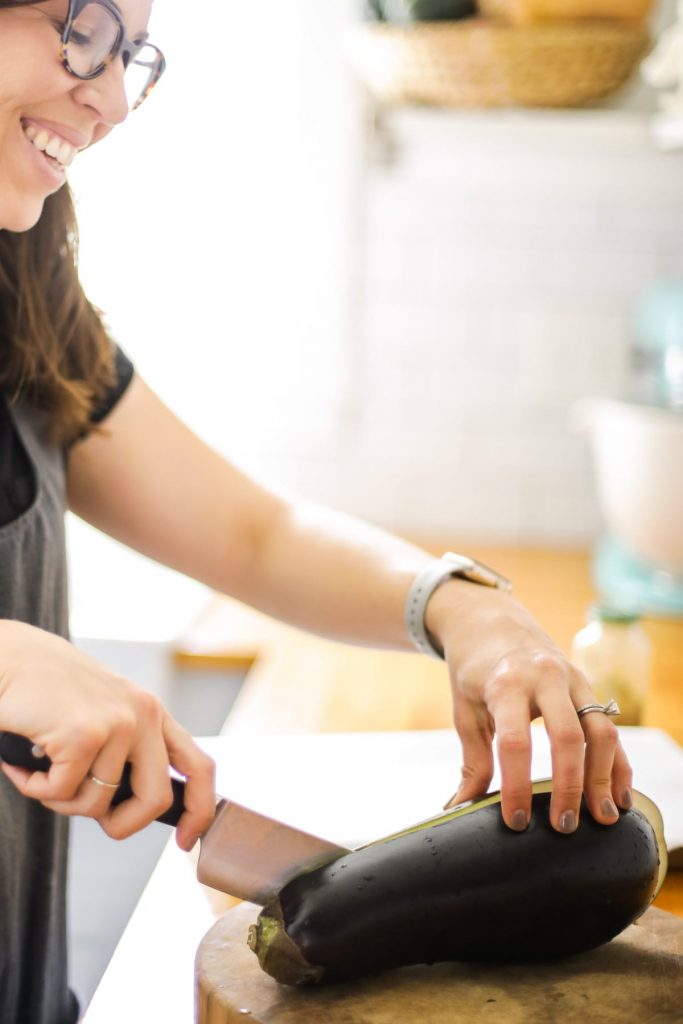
[[610, 708], [101, 782]]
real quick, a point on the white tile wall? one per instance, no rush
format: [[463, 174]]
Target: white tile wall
[[499, 263]]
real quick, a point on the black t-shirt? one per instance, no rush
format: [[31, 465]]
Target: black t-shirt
[[17, 483]]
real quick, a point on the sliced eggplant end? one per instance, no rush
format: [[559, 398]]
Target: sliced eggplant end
[[277, 954], [653, 815]]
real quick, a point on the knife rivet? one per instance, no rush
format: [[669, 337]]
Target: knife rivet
[[242, 1010]]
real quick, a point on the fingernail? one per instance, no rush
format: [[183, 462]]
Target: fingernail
[[627, 799], [453, 802], [568, 822], [608, 808], [189, 844], [519, 821]]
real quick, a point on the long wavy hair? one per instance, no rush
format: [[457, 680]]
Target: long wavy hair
[[54, 349]]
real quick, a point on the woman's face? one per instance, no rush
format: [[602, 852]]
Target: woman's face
[[39, 96]]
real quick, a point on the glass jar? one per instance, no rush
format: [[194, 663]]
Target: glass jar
[[613, 652]]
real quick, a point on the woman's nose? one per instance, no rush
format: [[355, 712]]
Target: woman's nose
[[106, 94]]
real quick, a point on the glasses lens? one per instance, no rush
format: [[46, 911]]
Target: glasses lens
[[93, 39], [142, 73]]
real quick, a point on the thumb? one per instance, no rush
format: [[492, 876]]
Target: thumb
[[476, 737]]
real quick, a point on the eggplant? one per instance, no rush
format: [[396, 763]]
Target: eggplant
[[462, 886]]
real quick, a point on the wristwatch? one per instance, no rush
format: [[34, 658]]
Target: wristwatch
[[432, 576]]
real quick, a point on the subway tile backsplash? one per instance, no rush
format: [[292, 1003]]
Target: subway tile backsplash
[[497, 267]]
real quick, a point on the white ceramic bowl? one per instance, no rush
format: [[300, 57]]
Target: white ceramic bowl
[[638, 456]]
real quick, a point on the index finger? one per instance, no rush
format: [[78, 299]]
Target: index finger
[[151, 790], [199, 771], [512, 721]]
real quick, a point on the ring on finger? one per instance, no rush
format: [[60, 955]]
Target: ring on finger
[[610, 708], [101, 782]]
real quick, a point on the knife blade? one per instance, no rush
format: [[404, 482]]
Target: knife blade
[[243, 853]]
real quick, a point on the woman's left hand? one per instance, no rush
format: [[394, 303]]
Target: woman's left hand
[[505, 671]]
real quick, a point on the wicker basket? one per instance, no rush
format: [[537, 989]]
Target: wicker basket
[[480, 62]]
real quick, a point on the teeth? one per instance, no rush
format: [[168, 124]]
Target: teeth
[[66, 154], [60, 150], [41, 140]]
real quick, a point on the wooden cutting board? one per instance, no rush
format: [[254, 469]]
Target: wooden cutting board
[[635, 979]]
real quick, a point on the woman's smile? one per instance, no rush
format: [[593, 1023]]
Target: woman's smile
[[52, 143], [51, 166]]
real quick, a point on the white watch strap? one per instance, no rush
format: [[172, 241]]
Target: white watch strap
[[426, 582]]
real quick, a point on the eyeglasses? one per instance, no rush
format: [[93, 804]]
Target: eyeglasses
[[94, 35]]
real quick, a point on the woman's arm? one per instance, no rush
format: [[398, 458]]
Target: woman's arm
[[152, 484], [149, 482]]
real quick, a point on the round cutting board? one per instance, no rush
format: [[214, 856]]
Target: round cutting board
[[635, 978]]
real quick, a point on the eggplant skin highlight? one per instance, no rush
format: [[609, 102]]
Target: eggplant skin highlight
[[464, 887]]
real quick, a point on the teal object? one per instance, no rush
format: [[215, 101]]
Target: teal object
[[617, 615], [624, 581], [659, 334]]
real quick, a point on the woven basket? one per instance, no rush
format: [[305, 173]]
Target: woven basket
[[480, 62]]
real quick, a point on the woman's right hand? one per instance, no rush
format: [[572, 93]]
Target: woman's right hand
[[90, 721]]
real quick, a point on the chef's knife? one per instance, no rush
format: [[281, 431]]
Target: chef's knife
[[242, 852]]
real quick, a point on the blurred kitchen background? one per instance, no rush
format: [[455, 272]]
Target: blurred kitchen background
[[396, 321], [390, 308]]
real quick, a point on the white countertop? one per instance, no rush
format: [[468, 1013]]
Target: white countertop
[[350, 788]]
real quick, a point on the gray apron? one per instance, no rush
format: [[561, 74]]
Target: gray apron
[[33, 840]]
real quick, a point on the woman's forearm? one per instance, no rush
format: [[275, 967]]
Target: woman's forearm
[[332, 574]]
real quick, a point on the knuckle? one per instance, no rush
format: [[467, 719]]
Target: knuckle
[[505, 679], [549, 663], [115, 830], [161, 801], [517, 793], [206, 766], [514, 743], [607, 735], [599, 781], [569, 789], [567, 736], [151, 707]]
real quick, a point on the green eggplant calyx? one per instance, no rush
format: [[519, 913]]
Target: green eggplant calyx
[[277, 954]]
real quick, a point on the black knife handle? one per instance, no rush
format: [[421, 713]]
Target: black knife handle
[[18, 750]]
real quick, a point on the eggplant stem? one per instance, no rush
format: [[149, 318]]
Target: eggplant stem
[[277, 954]]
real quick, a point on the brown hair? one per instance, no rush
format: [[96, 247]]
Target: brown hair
[[54, 348]]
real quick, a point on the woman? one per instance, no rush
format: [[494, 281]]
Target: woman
[[64, 65]]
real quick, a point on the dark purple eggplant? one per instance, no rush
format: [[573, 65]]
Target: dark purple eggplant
[[465, 887]]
